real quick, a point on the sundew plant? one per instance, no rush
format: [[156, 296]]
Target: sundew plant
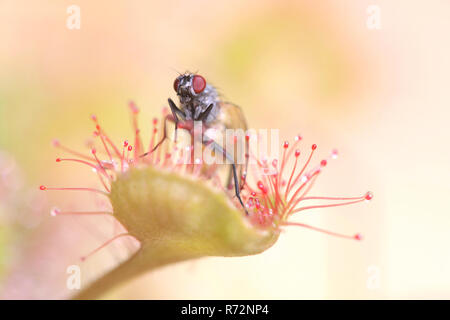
[[180, 210]]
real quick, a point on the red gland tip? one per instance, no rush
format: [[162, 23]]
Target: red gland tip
[[323, 163], [58, 159], [275, 163], [314, 146], [286, 144], [55, 143], [54, 212], [133, 107], [358, 236], [42, 188], [297, 153], [155, 121], [298, 137], [130, 148], [262, 187], [368, 196], [125, 143], [334, 154], [94, 151], [94, 118]]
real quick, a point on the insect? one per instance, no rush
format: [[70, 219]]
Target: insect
[[200, 101]]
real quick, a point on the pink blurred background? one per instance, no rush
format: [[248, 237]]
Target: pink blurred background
[[378, 95]]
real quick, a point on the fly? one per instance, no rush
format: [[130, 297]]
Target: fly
[[200, 101]]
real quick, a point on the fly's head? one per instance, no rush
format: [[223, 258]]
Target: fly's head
[[195, 94]]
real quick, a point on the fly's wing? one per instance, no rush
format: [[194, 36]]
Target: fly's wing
[[232, 117]]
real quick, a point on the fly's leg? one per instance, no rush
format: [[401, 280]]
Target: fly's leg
[[173, 117], [202, 116], [175, 111], [166, 118], [237, 190], [230, 179], [242, 170], [216, 147]]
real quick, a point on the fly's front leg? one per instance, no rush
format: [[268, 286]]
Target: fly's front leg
[[217, 148], [202, 116], [174, 118], [166, 118], [175, 110]]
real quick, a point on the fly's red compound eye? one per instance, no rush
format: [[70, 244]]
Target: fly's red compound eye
[[198, 83], [175, 84]]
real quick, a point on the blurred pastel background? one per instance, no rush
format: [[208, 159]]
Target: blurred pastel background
[[381, 96]]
